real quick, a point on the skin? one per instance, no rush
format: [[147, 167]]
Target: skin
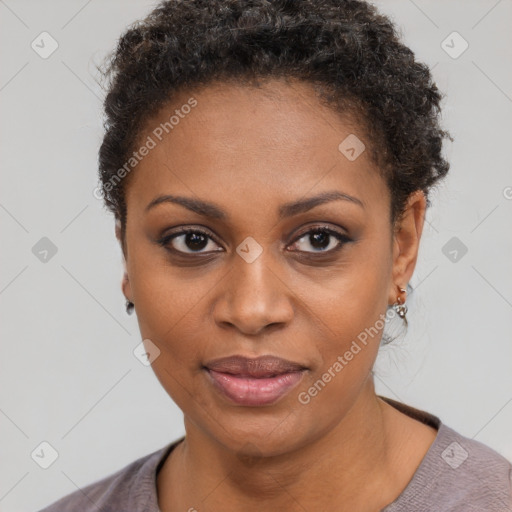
[[250, 150]]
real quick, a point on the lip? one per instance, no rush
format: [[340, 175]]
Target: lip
[[254, 381], [255, 367]]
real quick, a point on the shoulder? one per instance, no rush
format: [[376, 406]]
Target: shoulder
[[131, 488], [475, 470], [458, 474]]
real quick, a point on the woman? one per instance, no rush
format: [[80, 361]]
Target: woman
[[269, 165]]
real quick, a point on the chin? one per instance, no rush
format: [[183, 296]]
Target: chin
[[264, 436]]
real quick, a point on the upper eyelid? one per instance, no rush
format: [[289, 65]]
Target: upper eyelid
[[322, 227]]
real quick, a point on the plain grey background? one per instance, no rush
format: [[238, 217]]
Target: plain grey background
[[67, 369]]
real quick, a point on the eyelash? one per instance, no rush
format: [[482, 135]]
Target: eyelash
[[341, 237]]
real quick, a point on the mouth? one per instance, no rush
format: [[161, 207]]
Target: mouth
[[254, 382]]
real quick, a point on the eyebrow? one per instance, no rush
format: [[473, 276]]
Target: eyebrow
[[211, 210]]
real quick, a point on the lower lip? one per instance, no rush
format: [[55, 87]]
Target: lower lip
[[253, 391]]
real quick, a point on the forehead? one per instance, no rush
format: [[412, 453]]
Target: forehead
[[273, 142]]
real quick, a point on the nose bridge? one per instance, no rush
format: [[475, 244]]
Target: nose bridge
[[253, 295]]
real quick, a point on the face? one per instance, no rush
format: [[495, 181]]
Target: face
[[264, 270]]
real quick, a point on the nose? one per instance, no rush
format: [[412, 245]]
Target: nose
[[254, 298]]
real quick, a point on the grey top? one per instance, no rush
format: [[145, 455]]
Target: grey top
[[457, 474]]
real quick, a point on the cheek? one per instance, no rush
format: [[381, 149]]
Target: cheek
[[350, 312], [332, 392], [350, 300], [168, 299], [169, 311], [347, 347]]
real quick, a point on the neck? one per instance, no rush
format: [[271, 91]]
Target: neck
[[347, 463]]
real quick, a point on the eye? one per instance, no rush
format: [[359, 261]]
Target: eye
[[322, 239], [188, 241], [197, 241]]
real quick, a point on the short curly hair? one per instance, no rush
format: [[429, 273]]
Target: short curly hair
[[346, 49]]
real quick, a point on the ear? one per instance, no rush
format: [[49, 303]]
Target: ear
[[125, 282], [406, 243]]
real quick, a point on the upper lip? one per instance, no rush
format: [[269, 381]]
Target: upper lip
[[262, 366]]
